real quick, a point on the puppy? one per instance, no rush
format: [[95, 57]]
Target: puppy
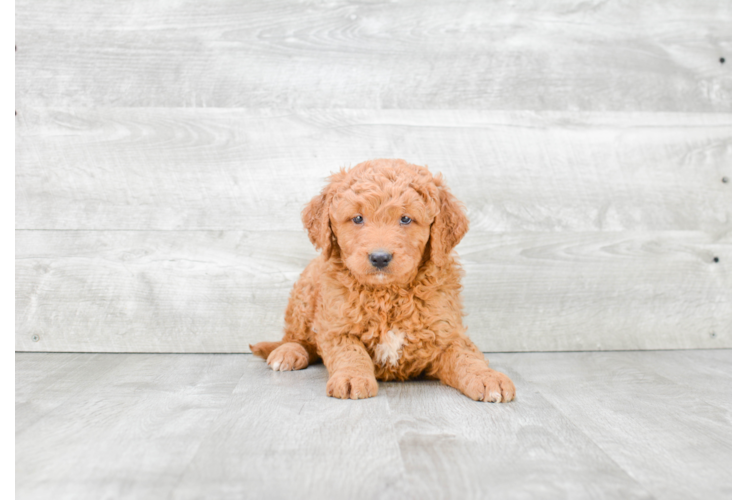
[[382, 301]]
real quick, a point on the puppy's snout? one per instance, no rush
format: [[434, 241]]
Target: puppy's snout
[[380, 259]]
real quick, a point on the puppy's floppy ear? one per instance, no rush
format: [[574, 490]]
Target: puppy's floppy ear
[[449, 225], [316, 217]]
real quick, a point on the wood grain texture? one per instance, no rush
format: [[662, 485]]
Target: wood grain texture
[[216, 291], [598, 291], [480, 54], [452, 448], [735, 48], [632, 406], [58, 378], [737, 159], [737, 485], [282, 437], [154, 291], [164, 151], [584, 425], [126, 429], [255, 170]]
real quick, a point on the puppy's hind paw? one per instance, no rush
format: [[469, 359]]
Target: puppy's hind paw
[[289, 356]]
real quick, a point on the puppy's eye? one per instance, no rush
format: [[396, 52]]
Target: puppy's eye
[[405, 220], [358, 220]]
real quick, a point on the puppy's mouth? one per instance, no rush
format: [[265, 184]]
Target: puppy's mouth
[[380, 274]]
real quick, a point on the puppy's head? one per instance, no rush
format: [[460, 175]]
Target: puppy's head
[[384, 219]]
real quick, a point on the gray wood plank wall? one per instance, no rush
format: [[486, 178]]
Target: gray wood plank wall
[[164, 152], [737, 159]]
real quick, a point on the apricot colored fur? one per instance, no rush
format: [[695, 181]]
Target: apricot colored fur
[[399, 322]]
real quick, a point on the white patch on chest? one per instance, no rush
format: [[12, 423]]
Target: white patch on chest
[[388, 350]]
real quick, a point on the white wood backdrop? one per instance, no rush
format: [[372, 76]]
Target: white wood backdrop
[[164, 151], [737, 84]]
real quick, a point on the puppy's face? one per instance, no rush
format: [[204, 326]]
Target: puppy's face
[[382, 229], [381, 216]]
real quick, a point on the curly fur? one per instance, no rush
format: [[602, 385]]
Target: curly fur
[[395, 323]]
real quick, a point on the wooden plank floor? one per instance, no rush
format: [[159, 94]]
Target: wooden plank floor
[[624, 425]]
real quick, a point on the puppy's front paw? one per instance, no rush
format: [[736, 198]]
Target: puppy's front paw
[[351, 385], [489, 386], [289, 356]]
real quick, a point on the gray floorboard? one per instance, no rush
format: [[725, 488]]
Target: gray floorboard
[[737, 486], [651, 424], [650, 412]]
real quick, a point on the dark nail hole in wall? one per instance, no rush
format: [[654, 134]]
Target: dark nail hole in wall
[[716, 259], [722, 60]]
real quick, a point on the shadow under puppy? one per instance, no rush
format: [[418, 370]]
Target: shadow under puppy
[[383, 301]]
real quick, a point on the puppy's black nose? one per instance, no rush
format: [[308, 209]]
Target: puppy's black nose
[[380, 259]]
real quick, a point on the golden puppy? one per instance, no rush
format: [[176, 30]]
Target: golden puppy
[[383, 300]]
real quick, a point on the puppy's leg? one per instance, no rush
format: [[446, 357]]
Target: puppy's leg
[[465, 369], [350, 367]]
